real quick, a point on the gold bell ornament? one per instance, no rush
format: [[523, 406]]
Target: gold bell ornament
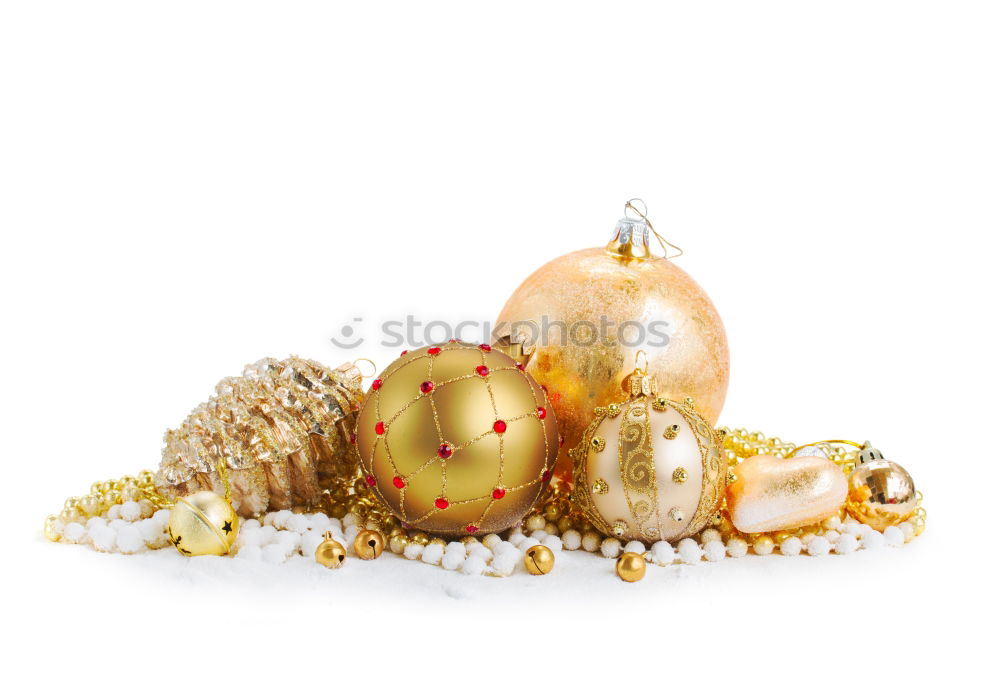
[[584, 316], [369, 544], [329, 552], [648, 468], [880, 492], [202, 523], [539, 560], [457, 438]]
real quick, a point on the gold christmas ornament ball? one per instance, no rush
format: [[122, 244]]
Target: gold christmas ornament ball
[[457, 439], [880, 493], [586, 315], [368, 544], [631, 567], [203, 523], [539, 560], [330, 553], [649, 468]]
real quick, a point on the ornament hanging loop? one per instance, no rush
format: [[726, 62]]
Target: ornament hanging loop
[[633, 205], [374, 368], [640, 356], [224, 476]]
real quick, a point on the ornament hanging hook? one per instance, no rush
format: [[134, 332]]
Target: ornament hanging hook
[[224, 476], [645, 361], [374, 368], [630, 205]]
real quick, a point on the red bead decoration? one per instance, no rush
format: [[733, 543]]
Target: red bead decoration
[[547, 475], [482, 370], [441, 503], [398, 482], [354, 438], [541, 412], [376, 384], [471, 529], [499, 427], [433, 350], [403, 353], [380, 428], [445, 451], [485, 347], [520, 365], [426, 387], [498, 493], [370, 480]]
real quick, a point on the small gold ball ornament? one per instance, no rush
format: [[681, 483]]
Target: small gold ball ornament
[[651, 469], [330, 553], [880, 493], [587, 313], [368, 544], [457, 439], [202, 523], [631, 567], [539, 560]]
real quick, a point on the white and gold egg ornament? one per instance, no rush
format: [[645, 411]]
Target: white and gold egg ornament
[[203, 523], [648, 468]]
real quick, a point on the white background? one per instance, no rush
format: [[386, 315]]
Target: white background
[[186, 187]]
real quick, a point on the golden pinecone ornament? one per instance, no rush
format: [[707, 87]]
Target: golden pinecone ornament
[[597, 307], [456, 439], [202, 523], [648, 468], [282, 428]]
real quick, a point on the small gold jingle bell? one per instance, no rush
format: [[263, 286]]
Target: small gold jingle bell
[[631, 567], [539, 560], [203, 523], [880, 493], [369, 544], [330, 553]]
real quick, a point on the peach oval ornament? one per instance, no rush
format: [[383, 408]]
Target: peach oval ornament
[[772, 493]]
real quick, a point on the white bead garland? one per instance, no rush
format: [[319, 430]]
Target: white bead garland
[[791, 546], [132, 527], [715, 550], [611, 547]]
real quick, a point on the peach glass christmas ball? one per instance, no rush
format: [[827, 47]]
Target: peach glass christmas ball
[[457, 439], [588, 313]]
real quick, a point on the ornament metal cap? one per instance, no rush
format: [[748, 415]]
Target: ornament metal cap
[[631, 235], [867, 454], [639, 382], [515, 349]]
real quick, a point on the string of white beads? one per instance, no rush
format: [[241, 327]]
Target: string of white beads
[[128, 528], [133, 527]]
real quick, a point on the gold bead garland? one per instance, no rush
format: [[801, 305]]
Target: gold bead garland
[[554, 512]]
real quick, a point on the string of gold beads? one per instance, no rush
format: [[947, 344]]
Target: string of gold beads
[[348, 507]]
